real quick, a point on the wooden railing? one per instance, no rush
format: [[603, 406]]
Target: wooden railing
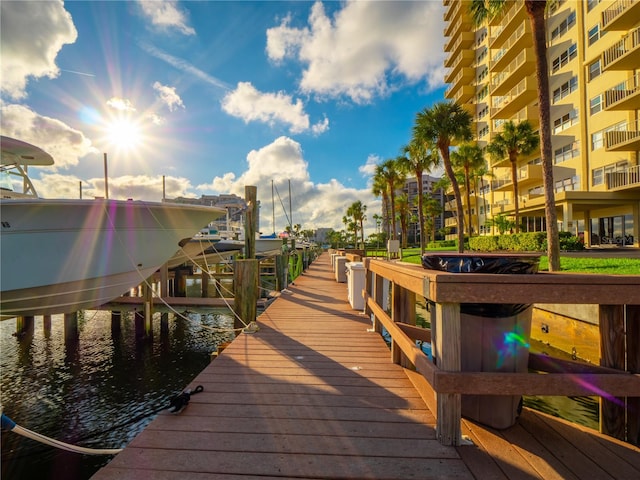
[[617, 295]]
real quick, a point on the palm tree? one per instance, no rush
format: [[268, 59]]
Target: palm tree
[[356, 211], [513, 141], [404, 212], [394, 178], [482, 10], [432, 209], [478, 180], [468, 157], [418, 158], [439, 125], [379, 189]]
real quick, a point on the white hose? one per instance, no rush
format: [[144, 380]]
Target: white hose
[[64, 446]]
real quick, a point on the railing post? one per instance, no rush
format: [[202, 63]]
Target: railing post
[[633, 365], [446, 340], [612, 354]]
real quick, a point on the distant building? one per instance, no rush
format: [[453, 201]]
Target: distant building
[[234, 205], [428, 188], [321, 236]]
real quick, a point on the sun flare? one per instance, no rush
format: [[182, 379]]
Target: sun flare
[[124, 133]]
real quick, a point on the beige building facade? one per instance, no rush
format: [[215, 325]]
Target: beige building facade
[[593, 50]]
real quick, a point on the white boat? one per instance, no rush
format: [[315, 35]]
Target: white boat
[[64, 255]]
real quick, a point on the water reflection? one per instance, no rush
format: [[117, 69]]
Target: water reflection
[[97, 391]]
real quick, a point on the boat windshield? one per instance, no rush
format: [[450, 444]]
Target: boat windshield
[[15, 183]]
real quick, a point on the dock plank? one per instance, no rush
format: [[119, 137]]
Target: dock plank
[[314, 394]]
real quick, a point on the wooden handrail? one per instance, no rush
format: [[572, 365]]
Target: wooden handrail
[[615, 294]]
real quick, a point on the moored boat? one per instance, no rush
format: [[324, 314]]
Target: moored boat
[[64, 255]]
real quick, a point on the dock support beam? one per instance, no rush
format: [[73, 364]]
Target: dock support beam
[[71, 326], [24, 325], [46, 325], [281, 272], [245, 279]]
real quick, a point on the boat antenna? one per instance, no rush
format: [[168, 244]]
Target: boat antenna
[[106, 178], [273, 210], [290, 212]]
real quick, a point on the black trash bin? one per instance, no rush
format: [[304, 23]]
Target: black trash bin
[[494, 337]]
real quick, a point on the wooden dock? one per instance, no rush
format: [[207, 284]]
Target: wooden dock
[[314, 394]]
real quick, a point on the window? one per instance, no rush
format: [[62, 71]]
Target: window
[[594, 70], [567, 152], [565, 89], [594, 34], [483, 74], [564, 58], [483, 92], [565, 121], [597, 177], [597, 138], [568, 184], [482, 55], [591, 4], [483, 132], [595, 104], [482, 113], [564, 26]]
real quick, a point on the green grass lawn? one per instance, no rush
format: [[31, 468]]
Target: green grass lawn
[[614, 266]]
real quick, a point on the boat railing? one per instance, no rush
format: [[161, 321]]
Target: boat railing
[[619, 313]]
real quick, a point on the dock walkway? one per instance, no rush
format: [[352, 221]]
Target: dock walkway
[[314, 394]]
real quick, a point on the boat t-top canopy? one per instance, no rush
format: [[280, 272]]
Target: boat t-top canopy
[[16, 157], [23, 153]]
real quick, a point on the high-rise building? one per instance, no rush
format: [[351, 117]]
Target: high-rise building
[[593, 52], [429, 190]]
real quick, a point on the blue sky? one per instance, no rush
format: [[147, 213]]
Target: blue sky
[[216, 95]]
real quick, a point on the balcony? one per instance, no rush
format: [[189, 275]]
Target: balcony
[[517, 42], [515, 100], [624, 140], [504, 25], [463, 94], [463, 41], [465, 75], [630, 178], [624, 54], [531, 113], [464, 24], [522, 66], [527, 175], [464, 59], [622, 15], [624, 96], [454, 11]]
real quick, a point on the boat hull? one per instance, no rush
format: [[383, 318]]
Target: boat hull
[[60, 256]]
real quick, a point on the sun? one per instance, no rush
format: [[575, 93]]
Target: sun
[[125, 134]]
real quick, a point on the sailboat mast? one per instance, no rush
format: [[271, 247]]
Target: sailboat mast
[[273, 210], [290, 212]]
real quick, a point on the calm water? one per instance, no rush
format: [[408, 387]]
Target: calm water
[[98, 392], [102, 390]]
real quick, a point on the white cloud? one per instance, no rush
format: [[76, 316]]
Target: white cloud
[[366, 49], [313, 205], [249, 104], [168, 96], [66, 144], [369, 168], [121, 104], [127, 186], [166, 15], [31, 36]]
